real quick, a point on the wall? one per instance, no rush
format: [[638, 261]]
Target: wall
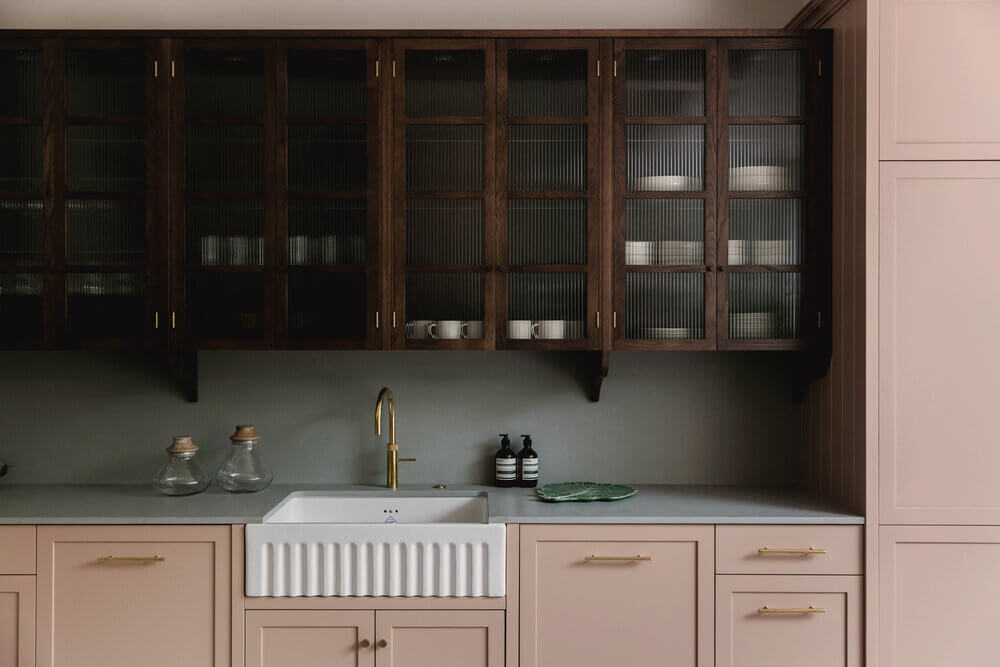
[[663, 417], [394, 14], [834, 408]]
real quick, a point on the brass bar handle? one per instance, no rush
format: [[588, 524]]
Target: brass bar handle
[[801, 552], [791, 610], [131, 559], [627, 559]]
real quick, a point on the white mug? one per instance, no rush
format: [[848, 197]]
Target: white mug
[[417, 329], [549, 329], [472, 329], [445, 329], [519, 329]]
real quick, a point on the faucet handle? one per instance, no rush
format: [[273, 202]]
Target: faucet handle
[[406, 460]]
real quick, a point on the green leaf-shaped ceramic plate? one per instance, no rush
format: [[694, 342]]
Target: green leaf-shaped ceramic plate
[[580, 491]]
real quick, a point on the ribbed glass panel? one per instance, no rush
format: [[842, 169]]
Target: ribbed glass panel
[[226, 305], [106, 158], [554, 303], [21, 158], [327, 158], [22, 225], [444, 231], [547, 231], [665, 305], [444, 157], [766, 231], [448, 300], [330, 84], [547, 82], [664, 232], [767, 83], [106, 304], [228, 232], [224, 84], [105, 84], [764, 305], [327, 231], [444, 83], [21, 78], [665, 157], [665, 83], [766, 157], [548, 157], [105, 231], [21, 309], [327, 305], [212, 152]]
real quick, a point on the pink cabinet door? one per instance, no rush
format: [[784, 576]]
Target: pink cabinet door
[[764, 620], [938, 591], [585, 601], [439, 638], [17, 621], [120, 596], [939, 92], [939, 287], [310, 638]]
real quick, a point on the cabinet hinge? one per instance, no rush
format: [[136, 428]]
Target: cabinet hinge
[[156, 69], [376, 69]]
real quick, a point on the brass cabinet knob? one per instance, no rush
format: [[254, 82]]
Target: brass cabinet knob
[[382, 643], [365, 643]]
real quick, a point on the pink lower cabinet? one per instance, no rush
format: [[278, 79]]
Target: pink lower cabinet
[[120, 596], [310, 638], [439, 638], [17, 621], [764, 620], [594, 596], [939, 591]]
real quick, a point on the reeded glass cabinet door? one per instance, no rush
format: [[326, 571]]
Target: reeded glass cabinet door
[[548, 151], [224, 121], [768, 190], [106, 221], [443, 131], [327, 229], [22, 218], [665, 188]]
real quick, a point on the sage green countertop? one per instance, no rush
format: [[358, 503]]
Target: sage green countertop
[[660, 504]]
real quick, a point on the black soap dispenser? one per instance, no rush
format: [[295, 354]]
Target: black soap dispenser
[[527, 464], [506, 463]]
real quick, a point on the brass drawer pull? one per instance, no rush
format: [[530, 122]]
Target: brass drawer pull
[[131, 559], [628, 559], [801, 552], [792, 610]]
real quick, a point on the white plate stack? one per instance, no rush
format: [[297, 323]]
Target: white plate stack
[[737, 252], [759, 178], [684, 253], [753, 325], [772, 252], [672, 332]]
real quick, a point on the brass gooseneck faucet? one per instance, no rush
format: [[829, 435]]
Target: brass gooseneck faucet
[[392, 447]]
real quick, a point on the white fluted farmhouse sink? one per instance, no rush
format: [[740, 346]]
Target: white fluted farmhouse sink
[[397, 545]]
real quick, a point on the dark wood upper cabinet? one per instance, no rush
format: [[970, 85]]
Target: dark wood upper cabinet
[[293, 192]]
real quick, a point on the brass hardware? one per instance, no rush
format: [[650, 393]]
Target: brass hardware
[[156, 320], [598, 67], [376, 76], [821, 68], [156, 69], [440, 486], [131, 559], [173, 319], [394, 319], [800, 552], [173, 69], [376, 319], [392, 447], [819, 319], [627, 559], [598, 319], [792, 610], [394, 69], [614, 319], [382, 643], [614, 68], [365, 643]]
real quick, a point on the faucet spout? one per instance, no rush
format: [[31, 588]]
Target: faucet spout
[[386, 393]]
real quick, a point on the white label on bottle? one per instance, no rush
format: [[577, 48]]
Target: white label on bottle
[[529, 469], [506, 469]]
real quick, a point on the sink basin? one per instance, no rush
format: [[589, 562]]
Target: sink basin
[[363, 544]]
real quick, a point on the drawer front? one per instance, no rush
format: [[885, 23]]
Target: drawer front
[[310, 638], [585, 602], [789, 550], [766, 620], [17, 549], [17, 621], [158, 596]]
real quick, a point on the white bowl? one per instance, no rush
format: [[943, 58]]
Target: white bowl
[[671, 182], [758, 178]]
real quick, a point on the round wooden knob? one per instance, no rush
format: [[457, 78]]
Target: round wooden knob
[[365, 643], [382, 643]]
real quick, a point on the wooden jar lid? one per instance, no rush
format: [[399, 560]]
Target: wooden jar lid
[[244, 433], [182, 444]]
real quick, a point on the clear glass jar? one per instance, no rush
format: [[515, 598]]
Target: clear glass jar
[[181, 476], [243, 471]]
